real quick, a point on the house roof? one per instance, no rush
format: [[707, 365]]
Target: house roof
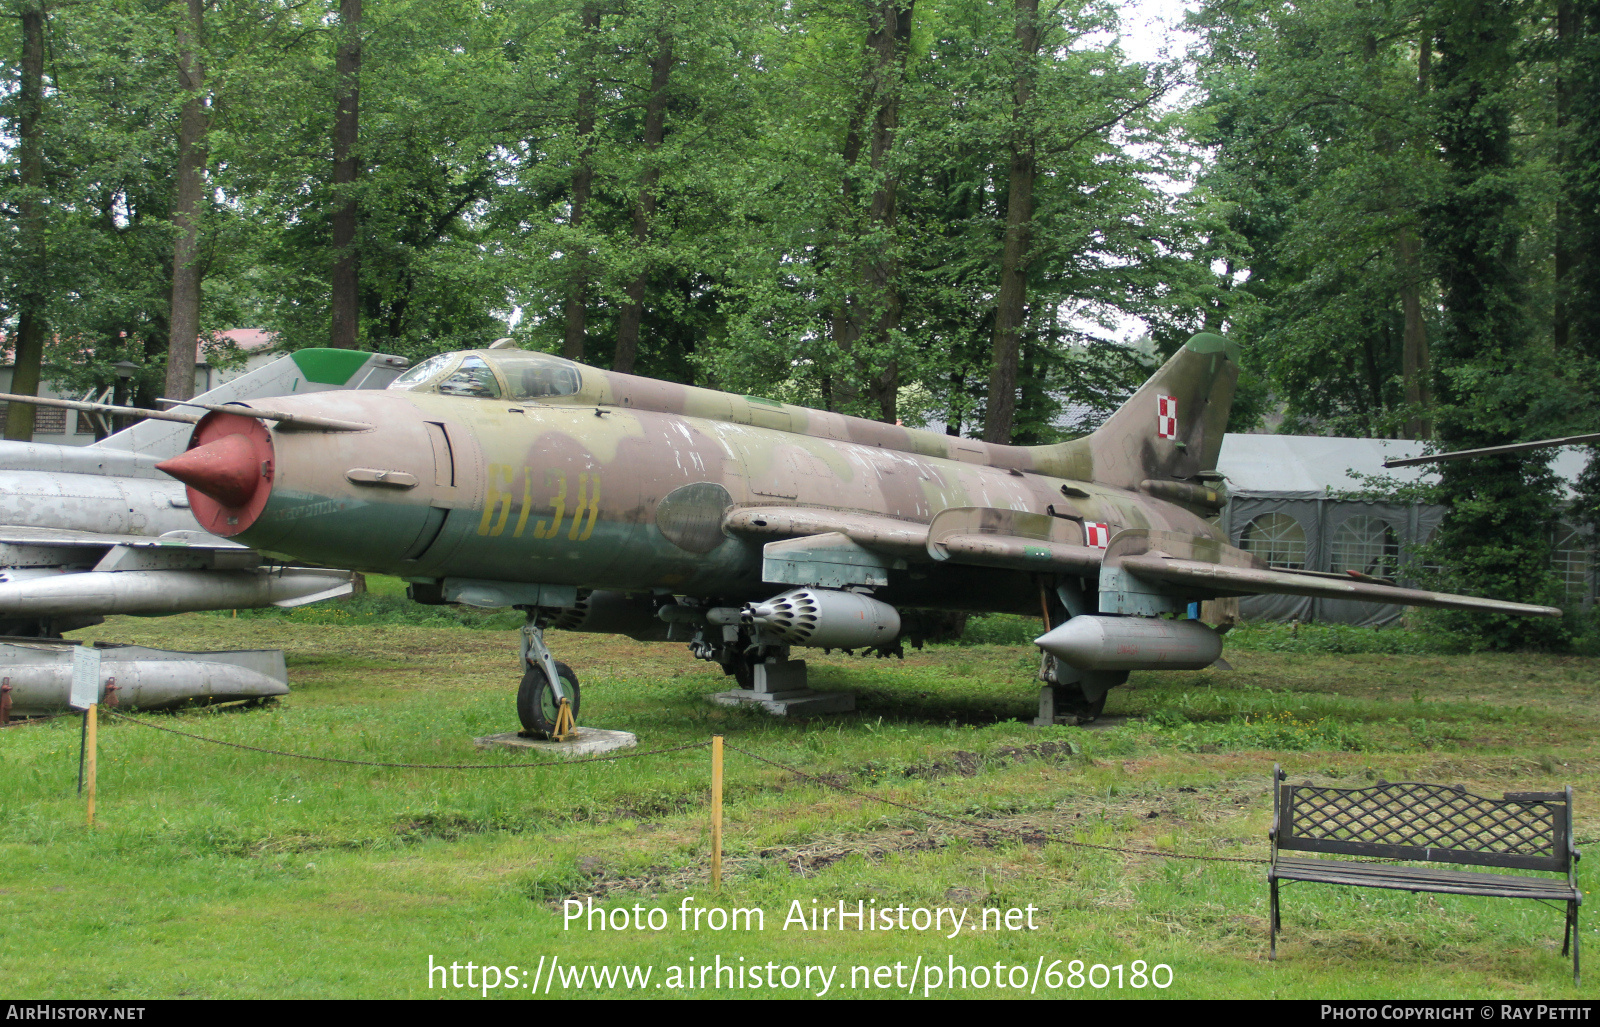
[[247, 339]]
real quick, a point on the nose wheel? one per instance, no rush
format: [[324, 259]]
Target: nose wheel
[[547, 700], [543, 712]]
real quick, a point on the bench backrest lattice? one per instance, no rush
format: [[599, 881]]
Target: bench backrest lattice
[[1437, 823]]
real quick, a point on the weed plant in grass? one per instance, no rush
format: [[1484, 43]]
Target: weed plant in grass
[[220, 872], [1262, 636], [1282, 731]]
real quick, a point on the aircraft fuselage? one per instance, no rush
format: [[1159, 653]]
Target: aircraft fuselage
[[620, 499]]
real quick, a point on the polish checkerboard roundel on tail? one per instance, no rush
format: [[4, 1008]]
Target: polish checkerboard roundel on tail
[[1096, 534], [1166, 417]]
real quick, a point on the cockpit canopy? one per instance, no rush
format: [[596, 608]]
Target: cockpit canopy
[[493, 374]]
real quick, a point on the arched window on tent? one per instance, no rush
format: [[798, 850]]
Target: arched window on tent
[[1572, 557], [1366, 545], [1276, 538]]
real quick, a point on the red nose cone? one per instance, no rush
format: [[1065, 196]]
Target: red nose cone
[[227, 470]]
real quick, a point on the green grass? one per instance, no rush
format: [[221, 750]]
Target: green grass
[[218, 872], [384, 602]]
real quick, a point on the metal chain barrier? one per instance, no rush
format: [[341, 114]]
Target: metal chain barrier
[[1022, 835], [406, 766], [964, 822]]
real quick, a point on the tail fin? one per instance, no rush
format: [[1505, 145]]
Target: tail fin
[[1170, 430]]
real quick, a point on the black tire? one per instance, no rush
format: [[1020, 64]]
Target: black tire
[[536, 701]]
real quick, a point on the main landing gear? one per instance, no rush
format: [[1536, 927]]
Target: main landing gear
[[547, 701], [1072, 696], [742, 655], [760, 665]]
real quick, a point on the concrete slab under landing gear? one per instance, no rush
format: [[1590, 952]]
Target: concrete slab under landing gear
[[591, 741], [803, 703], [1101, 723], [780, 688], [1049, 716]]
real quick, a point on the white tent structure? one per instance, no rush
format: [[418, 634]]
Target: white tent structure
[[1294, 503]]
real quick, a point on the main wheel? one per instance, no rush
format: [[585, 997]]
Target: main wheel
[[536, 700]]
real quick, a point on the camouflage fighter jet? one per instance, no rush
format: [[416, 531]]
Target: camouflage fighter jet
[[599, 501], [87, 531]]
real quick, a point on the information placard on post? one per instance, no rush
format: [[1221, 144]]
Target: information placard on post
[[85, 677]]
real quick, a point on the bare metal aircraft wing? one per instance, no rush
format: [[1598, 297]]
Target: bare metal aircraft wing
[[1251, 581], [31, 535], [1206, 568]]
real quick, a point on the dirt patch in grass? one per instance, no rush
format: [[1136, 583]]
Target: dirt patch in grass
[[806, 860], [969, 764], [444, 826], [1142, 821]]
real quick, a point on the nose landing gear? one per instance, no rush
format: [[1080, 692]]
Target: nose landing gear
[[547, 701]]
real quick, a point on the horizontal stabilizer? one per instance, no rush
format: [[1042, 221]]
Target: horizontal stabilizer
[[1252, 580]]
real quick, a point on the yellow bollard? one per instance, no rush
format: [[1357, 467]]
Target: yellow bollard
[[89, 757], [716, 812]]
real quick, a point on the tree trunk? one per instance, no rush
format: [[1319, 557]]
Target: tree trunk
[[1415, 366], [346, 123], [1014, 256], [871, 307], [1415, 370], [157, 334], [1408, 267], [1566, 32], [28, 352], [644, 208], [841, 391], [186, 269], [1581, 188], [882, 277], [575, 308]]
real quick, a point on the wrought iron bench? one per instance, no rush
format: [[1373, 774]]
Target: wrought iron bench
[[1431, 823]]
